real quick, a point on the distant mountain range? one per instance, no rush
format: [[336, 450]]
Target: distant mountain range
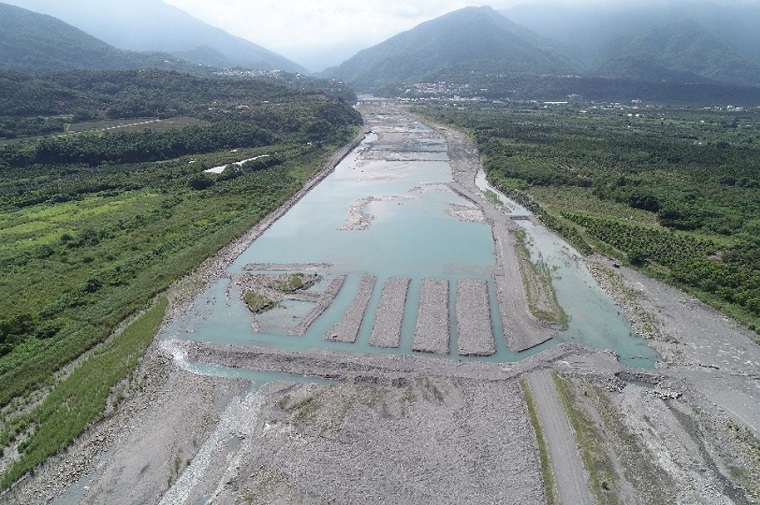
[[661, 44], [473, 38], [594, 33], [682, 51], [154, 26], [669, 40]]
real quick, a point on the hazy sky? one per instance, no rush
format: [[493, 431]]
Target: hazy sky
[[299, 29], [321, 33]]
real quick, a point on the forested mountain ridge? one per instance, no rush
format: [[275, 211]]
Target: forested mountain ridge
[[36, 105], [124, 94], [473, 38], [152, 25], [36, 43], [682, 51], [596, 33]]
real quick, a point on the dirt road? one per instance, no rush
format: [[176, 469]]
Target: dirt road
[[565, 461]]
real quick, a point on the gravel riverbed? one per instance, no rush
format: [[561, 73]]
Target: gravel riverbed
[[347, 329]]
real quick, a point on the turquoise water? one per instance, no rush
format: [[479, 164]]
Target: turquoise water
[[594, 320], [256, 377], [413, 235]]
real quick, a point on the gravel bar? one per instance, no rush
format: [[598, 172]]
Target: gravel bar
[[475, 333], [390, 314], [285, 267], [432, 331], [324, 302], [521, 330], [347, 328]]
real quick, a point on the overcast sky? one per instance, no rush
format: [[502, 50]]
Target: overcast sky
[[298, 29]]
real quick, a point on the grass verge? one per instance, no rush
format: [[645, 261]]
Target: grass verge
[[602, 478]]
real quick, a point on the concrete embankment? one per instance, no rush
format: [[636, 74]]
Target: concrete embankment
[[347, 329], [432, 331], [475, 333], [390, 314]]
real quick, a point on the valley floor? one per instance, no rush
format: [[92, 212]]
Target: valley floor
[[407, 429]]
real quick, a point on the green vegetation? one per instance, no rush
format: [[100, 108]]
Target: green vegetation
[[682, 51], [492, 197], [673, 191], [258, 302], [83, 97], [602, 477], [295, 282], [537, 279], [472, 39], [302, 409], [268, 290], [82, 396], [748, 471], [550, 485], [93, 226]]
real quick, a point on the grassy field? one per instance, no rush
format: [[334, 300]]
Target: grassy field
[[591, 444], [550, 484], [113, 125]]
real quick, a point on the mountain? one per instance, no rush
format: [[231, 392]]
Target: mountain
[[470, 39], [152, 25], [595, 33], [34, 42], [591, 33], [683, 51]]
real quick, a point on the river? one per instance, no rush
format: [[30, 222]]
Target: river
[[386, 212]]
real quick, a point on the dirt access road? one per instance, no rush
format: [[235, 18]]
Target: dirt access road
[[410, 429]]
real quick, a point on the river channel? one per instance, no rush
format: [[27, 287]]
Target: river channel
[[387, 217]]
